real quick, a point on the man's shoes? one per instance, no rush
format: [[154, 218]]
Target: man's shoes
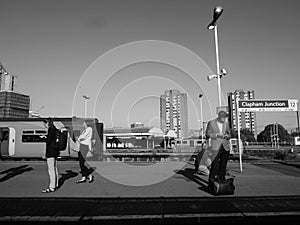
[[83, 180]]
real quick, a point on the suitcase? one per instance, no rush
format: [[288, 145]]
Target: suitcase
[[222, 188]]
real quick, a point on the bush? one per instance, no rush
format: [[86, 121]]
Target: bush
[[280, 155]]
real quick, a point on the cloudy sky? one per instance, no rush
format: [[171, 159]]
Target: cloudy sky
[[63, 49]]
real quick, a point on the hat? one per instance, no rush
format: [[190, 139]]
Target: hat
[[222, 114]]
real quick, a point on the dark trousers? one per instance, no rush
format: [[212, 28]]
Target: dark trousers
[[219, 163], [85, 171]]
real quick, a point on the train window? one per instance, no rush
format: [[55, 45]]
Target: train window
[[199, 142], [4, 134], [28, 132], [40, 131], [33, 138], [184, 142]]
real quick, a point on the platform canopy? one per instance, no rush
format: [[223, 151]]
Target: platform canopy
[[171, 134], [156, 132]]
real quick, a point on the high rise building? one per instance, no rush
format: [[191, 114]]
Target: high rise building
[[174, 112], [247, 119], [12, 104], [7, 81]]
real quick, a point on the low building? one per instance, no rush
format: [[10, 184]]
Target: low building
[[142, 138], [136, 125], [14, 105]]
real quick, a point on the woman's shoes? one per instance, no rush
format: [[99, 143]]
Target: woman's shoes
[[83, 180], [91, 178], [48, 190]]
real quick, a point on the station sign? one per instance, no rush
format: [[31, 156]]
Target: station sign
[[268, 105]]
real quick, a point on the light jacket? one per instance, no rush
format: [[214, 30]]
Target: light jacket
[[212, 132], [85, 137]]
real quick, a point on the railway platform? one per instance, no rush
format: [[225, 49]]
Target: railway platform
[[149, 193]]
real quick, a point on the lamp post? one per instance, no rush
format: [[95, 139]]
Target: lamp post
[[201, 116], [86, 98], [213, 26]]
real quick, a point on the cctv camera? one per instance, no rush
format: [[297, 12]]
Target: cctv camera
[[210, 77], [223, 72]]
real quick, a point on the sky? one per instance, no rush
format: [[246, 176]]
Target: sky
[[123, 54]]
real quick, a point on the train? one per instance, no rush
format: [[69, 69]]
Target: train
[[25, 137]]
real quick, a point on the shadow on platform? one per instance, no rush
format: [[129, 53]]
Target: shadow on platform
[[190, 174], [12, 172], [66, 176]]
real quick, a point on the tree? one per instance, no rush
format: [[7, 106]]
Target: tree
[[248, 135], [234, 134], [265, 135]]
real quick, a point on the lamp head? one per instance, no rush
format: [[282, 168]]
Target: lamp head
[[200, 95], [217, 13], [210, 77]]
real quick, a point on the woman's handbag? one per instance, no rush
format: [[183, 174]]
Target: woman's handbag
[[89, 154], [76, 146]]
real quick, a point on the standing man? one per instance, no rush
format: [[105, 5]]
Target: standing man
[[51, 155], [218, 132]]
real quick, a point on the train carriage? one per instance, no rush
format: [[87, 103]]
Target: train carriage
[[25, 137]]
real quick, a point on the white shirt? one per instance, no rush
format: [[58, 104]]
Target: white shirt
[[85, 137], [220, 125]]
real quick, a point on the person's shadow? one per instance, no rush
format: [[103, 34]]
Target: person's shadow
[[65, 176], [12, 172], [189, 174]]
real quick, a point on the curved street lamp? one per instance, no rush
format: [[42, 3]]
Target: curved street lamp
[[201, 115], [213, 26]]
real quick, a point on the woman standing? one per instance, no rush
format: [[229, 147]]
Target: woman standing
[[85, 140], [51, 155]]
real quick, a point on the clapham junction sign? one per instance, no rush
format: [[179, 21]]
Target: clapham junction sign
[[267, 105], [262, 106]]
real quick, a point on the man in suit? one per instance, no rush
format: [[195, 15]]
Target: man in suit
[[218, 132]]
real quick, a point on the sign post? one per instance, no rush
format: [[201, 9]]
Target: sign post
[[264, 105], [239, 135]]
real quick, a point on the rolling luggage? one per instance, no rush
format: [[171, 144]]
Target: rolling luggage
[[222, 188]]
